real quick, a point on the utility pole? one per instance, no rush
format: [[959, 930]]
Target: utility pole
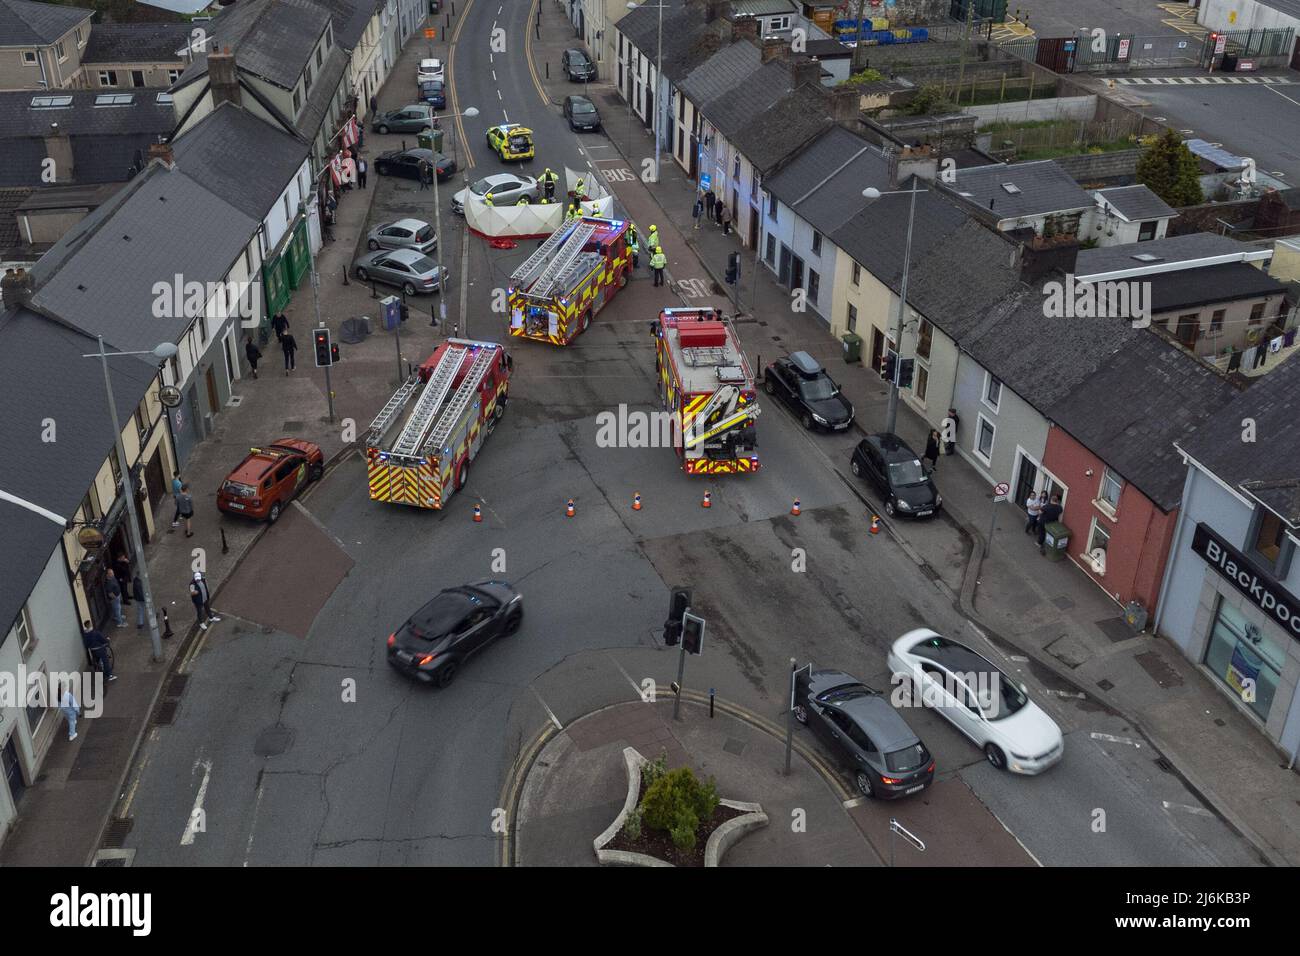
[[891, 412], [320, 323], [965, 46]]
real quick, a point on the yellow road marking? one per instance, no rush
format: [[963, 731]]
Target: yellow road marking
[[451, 85], [528, 54]]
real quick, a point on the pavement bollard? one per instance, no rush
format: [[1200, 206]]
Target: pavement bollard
[[710, 703], [225, 548], [345, 276], [167, 624], [373, 293]]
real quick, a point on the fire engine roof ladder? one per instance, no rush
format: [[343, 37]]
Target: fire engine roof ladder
[[549, 280], [395, 404], [533, 265], [412, 437], [468, 388]]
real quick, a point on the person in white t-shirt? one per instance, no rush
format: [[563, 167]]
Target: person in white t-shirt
[[1034, 506]]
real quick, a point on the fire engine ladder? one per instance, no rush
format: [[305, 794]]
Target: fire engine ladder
[[412, 437], [549, 280], [534, 264], [459, 402], [395, 405]]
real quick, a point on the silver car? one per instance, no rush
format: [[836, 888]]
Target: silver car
[[403, 234], [503, 189], [413, 272]]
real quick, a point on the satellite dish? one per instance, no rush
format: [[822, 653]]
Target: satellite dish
[[92, 539]]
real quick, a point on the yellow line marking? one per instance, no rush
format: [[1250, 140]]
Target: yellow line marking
[[451, 85], [528, 54]]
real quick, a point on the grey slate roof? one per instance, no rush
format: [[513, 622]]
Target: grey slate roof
[[774, 135], [1171, 249], [721, 73], [270, 38], [23, 23], [350, 18], [136, 43], [732, 111], [1269, 467], [762, 8], [1044, 188], [42, 375], [641, 26], [1136, 203], [823, 184], [1131, 410], [1199, 287], [100, 275], [215, 152]]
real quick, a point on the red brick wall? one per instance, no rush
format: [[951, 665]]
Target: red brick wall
[[1139, 537]]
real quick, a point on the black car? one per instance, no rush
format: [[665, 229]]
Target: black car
[[801, 382], [434, 92], [578, 66], [406, 163], [438, 639], [899, 475], [581, 113], [872, 739]]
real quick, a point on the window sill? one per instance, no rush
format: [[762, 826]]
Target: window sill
[[1106, 509], [1097, 569]]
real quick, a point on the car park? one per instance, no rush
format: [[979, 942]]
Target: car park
[[436, 641], [413, 118], [403, 234], [405, 163], [577, 66], [581, 114], [889, 464], [501, 189], [434, 93], [262, 485], [975, 696], [412, 272], [430, 68], [801, 382]]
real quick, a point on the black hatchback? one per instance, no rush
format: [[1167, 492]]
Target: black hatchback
[[801, 382], [872, 739], [406, 163], [578, 66], [440, 637], [896, 471], [581, 114]]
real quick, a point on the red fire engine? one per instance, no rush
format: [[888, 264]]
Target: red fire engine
[[706, 383], [419, 448]]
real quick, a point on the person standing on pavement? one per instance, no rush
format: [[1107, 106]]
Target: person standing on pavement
[[70, 707], [950, 446], [1051, 512], [697, 210], [122, 571], [202, 599], [549, 179], [426, 179], [658, 262], [97, 645], [280, 324], [932, 450], [253, 353], [289, 346], [187, 509], [725, 215], [1033, 508], [709, 199], [652, 239], [113, 591], [137, 592], [362, 169], [176, 497]]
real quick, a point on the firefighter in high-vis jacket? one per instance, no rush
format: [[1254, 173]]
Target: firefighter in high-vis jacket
[[548, 179]]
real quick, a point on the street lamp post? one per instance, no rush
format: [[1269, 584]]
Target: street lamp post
[[437, 231], [659, 77], [315, 300], [871, 194], [161, 352]]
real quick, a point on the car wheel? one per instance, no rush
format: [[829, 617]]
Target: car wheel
[[855, 468], [462, 475], [863, 780], [274, 514], [801, 713], [362, 274], [408, 289], [372, 245], [499, 412], [525, 201], [889, 507], [382, 130], [995, 756], [316, 471], [806, 420], [768, 386], [446, 675], [513, 622], [586, 320]]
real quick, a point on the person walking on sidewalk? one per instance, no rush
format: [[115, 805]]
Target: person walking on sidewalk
[[289, 346], [70, 707], [113, 591], [281, 325], [658, 262], [1051, 512], [253, 353], [362, 169], [725, 215], [176, 497], [951, 425], [97, 646], [1033, 508], [697, 210], [186, 503], [932, 450], [201, 596], [137, 591]]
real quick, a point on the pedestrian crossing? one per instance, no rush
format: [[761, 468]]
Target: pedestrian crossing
[[1203, 80]]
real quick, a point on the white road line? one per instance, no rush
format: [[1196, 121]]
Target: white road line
[[1116, 740], [191, 827], [855, 802], [1018, 659], [252, 829], [499, 9], [494, 76], [1283, 95], [507, 116], [499, 96], [1199, 811], [555, 720], [635, 686]]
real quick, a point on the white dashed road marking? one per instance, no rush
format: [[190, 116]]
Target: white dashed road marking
[[555, 720], [1199, 811], [1116, 740], [191, 825]]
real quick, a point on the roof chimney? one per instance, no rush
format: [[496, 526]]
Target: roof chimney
[[775, 48], [58, 149], [162, 153], [714, 9], [805, 71], [745, 28], [846, 104], [16, 288], [223, 79], [919, 161]]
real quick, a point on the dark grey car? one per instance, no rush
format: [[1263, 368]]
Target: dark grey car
[[887, 759], [578, 66], [581, 114], [412, 272], [436, 641]]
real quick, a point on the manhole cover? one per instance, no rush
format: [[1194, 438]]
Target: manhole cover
[[292, 426], [1158, 669], [1105, 684], [273, 741], [1115, 628], [166, 713], [116, 832], [734, 747]]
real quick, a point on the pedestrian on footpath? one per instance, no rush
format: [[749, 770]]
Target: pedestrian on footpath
[[122, 571], [113, 591], [70, 707], [426, 177], [710, 198], [1033, 508], [725, 214], [652, 239], [202, 599], [289, 345], [176, 497], [362, 169], [950, 446], [137, 591], [1051, 512], [97, 646], [697, 210], [280, 324], [374, 103], [658, 262], [186, 503], [253, 353], [932, 450]]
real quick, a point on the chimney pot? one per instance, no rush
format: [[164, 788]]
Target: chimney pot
[[775, 48], [162, 152], [16, 288]]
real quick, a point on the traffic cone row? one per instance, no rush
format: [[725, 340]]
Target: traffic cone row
[[794, 510], [636, 501], [875, 524], [568, 509]]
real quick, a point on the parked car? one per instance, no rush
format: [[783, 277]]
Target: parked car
[[405, 163], [403, 234], [413, 118], [413, 272], [437, 640], [577, 66], [977, 698], [434, 92], [581, 114], [801, 382], [262, 485], [898, 475], [429, 69], [865, 732], [504, 189]]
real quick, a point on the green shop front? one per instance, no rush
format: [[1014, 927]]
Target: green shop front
[[283, 270]]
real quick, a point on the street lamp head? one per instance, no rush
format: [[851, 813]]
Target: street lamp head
[[165, 350], [471, 112], [871, 194]]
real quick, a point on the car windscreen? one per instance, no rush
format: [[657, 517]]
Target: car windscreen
[[422, 264], [1005, 699], [838, 695], [481, 187], [816, 389], [904, 473], [583, 108], [909, 758]]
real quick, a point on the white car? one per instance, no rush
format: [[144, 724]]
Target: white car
[[428, 70], [978, 699]]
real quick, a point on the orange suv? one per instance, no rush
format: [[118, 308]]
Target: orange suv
[[263, 484]]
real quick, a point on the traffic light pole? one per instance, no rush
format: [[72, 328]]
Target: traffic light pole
[[681, 670], [320, 323], [329, 390]]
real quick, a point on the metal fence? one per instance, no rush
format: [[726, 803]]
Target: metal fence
[[1250, 43], [1124, 52]]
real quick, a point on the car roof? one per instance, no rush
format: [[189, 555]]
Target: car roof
[[431, 61], [433, 82], [409, 256], [259, 461], [579, 98], [415, 225], [820, 681], [884, 725], [892, 447], [574, 49], [805, 363]]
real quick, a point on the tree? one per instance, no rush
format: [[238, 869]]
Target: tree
[[678, 803], [1169, 170], [929, 101]]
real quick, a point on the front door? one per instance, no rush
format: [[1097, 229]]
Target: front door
[[877, 347], [753, 228], [783, 272], [796, 273], [1026, 479], [13, 773]]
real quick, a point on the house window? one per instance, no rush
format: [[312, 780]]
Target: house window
[[108, 78], [1098, 542], [857, 274], [817, 243], [23, 630], [329, 35], [852, 323], [320, 57], [753, 187], [90, 509], [173, 76], [142, 415], [814, 285], [1188, 328], [769, 253], [984, 435], [297, 102], [1256, 313], [992, 391], [778, 23], [1268, 542], [37, 705], [306, 78], [771, 207], [58, 49], [137, 77], [1147, 231], [1216, 322], [922, 382], [1112, 486], [924, 337], [29, 57]]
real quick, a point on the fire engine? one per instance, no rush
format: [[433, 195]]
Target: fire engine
[[570, 278], [706, 383], [419, 448]]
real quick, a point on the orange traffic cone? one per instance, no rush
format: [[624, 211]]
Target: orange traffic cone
[[636, 501], [708, 500], [478, 513], [795, 510], [875, 524], [568, 510]]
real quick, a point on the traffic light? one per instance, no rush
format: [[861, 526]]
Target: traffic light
[[905, 370], [406, 311], [692, 633], [334, 354], [681, 600], [321, 339], [733, 268], [887, 365]]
